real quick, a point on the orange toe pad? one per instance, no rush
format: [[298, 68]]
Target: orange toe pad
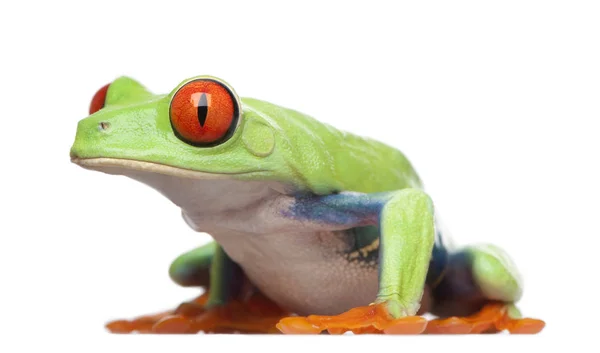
[[254, 315], [491, 318], [259, 315]]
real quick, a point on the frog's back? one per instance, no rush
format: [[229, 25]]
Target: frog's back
[[327, 160]]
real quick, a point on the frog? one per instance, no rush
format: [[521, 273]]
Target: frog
[[314, 229]]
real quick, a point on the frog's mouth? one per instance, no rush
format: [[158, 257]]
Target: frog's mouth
[[121, 166], [199, 194]]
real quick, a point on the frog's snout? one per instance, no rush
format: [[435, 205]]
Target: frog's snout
[[90, 139]]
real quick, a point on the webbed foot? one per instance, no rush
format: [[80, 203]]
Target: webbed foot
[[256, 314], [367, 319], [492, 318]]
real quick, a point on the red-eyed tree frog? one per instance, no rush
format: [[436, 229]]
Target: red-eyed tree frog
[[315, 229]]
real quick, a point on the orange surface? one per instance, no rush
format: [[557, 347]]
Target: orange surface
[[255, 315], [366, 319], [491, 318], [259, 315]]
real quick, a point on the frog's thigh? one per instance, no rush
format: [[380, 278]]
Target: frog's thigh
[[475, 275], [495, 273], [191, 269]]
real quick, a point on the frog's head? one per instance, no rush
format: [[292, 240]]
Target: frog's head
[[200, 130]]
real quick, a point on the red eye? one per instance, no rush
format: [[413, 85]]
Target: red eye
[[99, 99], [204, 112]]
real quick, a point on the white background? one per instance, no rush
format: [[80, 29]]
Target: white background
[[495, 104]]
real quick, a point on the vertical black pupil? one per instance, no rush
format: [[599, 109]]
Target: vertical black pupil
[[202, 109]]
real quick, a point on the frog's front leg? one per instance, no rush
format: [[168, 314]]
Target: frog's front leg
[[406, 220], [232, 304]]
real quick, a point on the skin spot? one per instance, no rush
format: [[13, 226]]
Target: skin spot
[[258, 138]]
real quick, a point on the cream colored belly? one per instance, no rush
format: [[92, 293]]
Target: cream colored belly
[[305, 273]]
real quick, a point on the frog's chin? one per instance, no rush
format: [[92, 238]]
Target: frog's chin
[[198, 194], [121, 166]]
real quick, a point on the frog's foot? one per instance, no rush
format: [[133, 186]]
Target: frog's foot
[[493, 317], [254, 315], [367, 319], [147, 323]]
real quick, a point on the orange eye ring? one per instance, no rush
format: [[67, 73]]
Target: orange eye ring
[[204, 112]]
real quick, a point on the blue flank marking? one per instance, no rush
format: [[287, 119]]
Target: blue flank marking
[[347, 208], [356, 210]]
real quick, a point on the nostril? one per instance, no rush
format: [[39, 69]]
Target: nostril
[[103, 126]]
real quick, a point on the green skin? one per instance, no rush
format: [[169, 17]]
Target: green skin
[[300, 156]]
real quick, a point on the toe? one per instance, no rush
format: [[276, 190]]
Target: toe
[[452, 325], [525, 326], [410, 325], [367, 319], [493, 317], [120, 326], [297, 325], [172, 324]]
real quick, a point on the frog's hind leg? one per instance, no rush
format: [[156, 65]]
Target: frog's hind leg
[[190, 269], [477, 294], [229, 304]]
